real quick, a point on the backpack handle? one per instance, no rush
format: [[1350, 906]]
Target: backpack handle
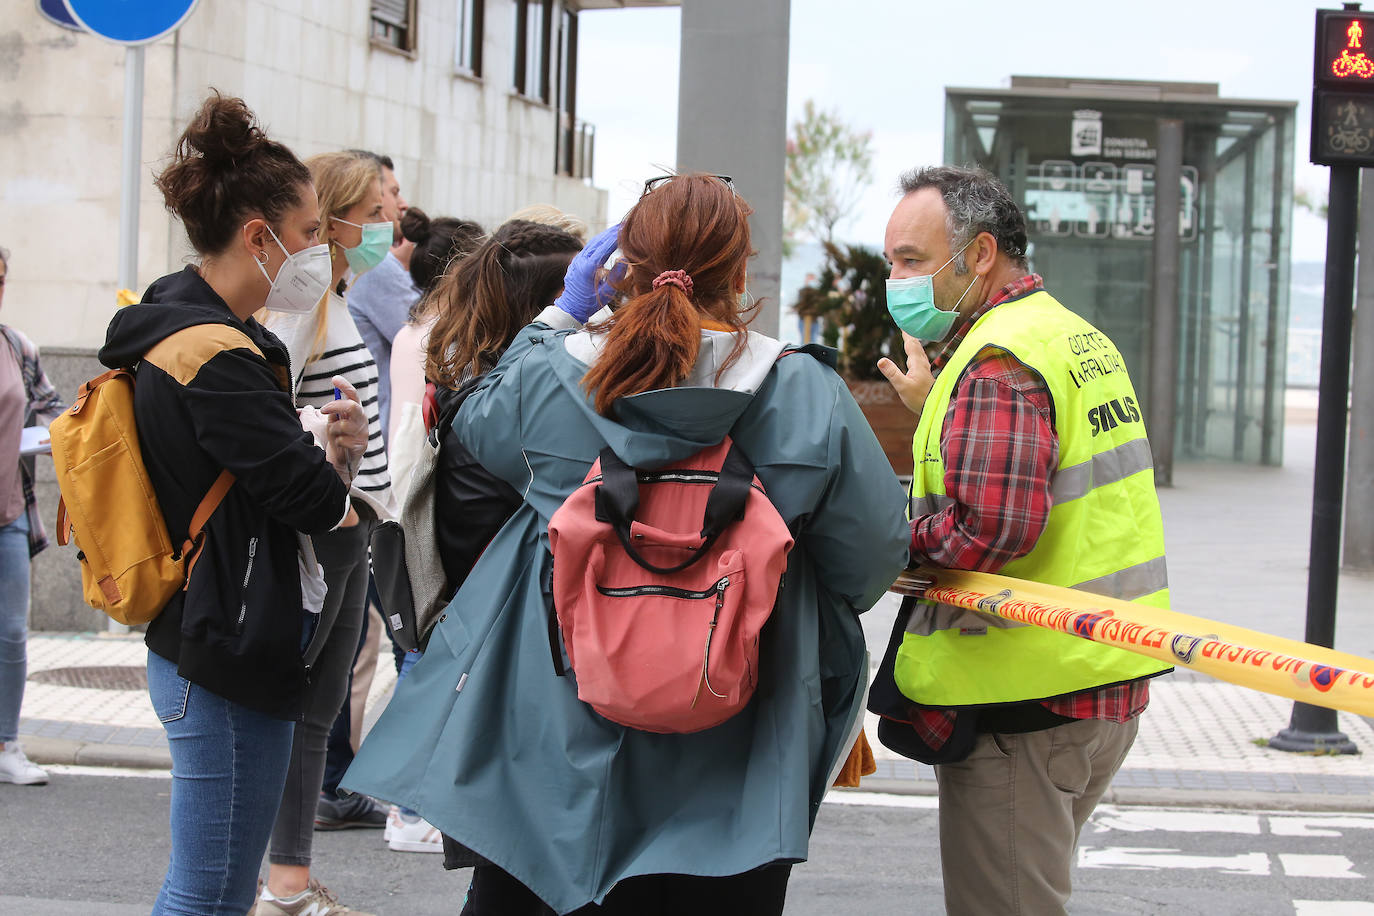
[[643, 533], [84, 392], [617, 500]]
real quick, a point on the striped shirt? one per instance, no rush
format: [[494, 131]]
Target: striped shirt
[[342, 353]]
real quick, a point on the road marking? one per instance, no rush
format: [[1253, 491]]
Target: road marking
[[882, 799], [1308, 866], [1255, 864], [1332, 908], [1140, 820], [62, 769], [1281, 825]]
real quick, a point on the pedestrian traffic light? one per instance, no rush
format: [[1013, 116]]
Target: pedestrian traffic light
[[1343, 88]]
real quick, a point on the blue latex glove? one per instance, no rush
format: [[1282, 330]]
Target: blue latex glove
[[582, 296]]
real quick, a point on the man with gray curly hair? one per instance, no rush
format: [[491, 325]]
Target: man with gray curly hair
[[1030, 460]]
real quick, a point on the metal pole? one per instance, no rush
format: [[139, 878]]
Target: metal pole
[[1164, 327], [131, 167], [1313, 728], [1271, 443], [1359, 495], [737, 53], [1240, 420], [1208, 229]]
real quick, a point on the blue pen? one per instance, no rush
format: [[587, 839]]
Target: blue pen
[[338, 395]]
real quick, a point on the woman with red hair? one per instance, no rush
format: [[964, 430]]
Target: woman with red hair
[[564, 810]]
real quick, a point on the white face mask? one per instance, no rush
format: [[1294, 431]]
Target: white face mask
[[301, 280]]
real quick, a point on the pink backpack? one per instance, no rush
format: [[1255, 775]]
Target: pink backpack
[[662, 581]]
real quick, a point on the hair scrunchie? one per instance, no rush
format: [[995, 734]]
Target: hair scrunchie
[[678, 278]]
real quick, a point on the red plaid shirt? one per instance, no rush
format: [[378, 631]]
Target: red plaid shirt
[[1000, 452]]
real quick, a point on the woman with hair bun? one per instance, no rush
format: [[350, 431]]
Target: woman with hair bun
[[563, 810], [226, 672]]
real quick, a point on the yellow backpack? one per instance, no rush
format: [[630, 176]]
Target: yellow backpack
[[129, 568]]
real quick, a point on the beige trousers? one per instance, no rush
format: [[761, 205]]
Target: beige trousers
[[364, 670], [1011, 812]]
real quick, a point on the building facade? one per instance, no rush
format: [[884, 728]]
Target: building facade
[[475, 101]]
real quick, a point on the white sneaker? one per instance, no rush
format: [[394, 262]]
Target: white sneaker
[[412, 834], [16, 768], [393, 820]]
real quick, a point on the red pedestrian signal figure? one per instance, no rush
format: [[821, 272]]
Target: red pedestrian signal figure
[[1353, 64]]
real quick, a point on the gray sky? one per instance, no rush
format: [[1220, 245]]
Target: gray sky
[[884, 65]]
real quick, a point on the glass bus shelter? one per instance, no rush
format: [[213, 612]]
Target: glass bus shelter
[[1080, 156]]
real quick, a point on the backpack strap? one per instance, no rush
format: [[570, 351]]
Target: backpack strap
[[64, 524], [617, 500], [821, 353], [443, 419], [195, 537]]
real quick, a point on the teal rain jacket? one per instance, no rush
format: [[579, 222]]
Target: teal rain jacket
[[491, 747]]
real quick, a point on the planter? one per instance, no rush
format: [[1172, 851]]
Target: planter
[[892, 422]]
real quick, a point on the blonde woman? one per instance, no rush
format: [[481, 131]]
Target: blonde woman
[[324, 342]]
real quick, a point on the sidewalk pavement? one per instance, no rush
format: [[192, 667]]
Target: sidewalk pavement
[[1237, 538]]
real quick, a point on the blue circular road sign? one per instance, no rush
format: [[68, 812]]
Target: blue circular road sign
[[130, 22]]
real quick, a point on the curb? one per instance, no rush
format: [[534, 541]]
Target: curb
[[1240, 799], [64, 751]]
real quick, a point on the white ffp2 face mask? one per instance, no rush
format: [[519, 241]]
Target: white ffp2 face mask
[[301, 280]]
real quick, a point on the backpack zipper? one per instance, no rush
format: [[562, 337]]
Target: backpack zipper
[[668, 591], [243, 606], [706, 656]]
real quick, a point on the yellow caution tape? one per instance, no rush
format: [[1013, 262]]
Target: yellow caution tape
[[1284, 667]]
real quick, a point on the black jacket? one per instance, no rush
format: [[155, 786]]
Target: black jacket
[[470, 503], [223, 402]]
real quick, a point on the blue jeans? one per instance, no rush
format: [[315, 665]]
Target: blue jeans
[[228, 768], [14, 623]]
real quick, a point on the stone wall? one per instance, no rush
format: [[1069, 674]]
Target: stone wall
[[56, 582], [463, 146]]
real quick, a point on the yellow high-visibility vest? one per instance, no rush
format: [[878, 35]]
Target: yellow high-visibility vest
[[1105, 533]]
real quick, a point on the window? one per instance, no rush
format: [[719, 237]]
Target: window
[[467, 54], [393, 23], [533, 27], [573, 156], [567, 63]]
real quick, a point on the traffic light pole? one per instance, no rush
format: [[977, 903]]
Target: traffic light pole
[[1313, 728]]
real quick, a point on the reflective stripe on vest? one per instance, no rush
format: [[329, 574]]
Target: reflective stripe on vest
[[1106, 467], [1104, 534]]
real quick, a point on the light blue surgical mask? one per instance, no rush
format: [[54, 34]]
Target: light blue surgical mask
[[911, 303], [369, 252]]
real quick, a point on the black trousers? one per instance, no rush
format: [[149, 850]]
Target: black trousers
[[343, 554], [760, 892]]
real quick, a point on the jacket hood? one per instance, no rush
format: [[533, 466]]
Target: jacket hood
[[653, 428], [172, 303]]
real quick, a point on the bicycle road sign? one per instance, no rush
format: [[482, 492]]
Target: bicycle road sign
[[1346, 131]]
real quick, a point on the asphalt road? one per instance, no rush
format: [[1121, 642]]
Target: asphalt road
[[97, 846]]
